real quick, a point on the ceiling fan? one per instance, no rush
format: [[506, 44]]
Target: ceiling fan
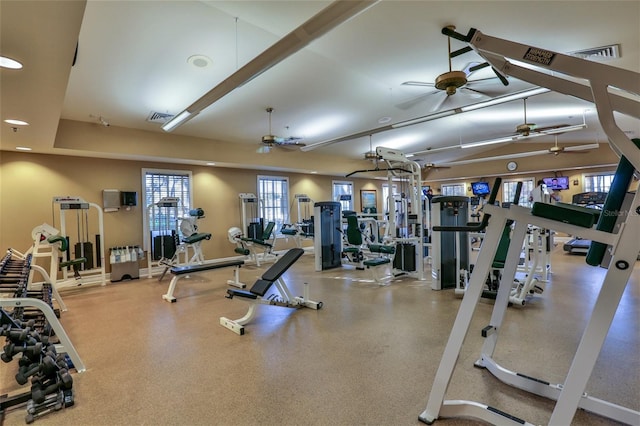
[[526, 128], [555, 150], [270, 140], [452, 81]]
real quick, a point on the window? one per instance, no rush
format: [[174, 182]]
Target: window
[[157, 184], [453, 189], [509, 191], [273, 192], [598, 182], [343, 188]]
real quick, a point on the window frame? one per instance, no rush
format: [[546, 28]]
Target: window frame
[[336, 196], [588, 176], [182, 207], [462, 187], [524, 195], [284, 203]]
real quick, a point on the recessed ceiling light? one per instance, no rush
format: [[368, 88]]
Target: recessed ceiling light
[[313, 172], [384, 120], [9, 63], [200, 61], [16, 122], [211, 164], [23, 148]]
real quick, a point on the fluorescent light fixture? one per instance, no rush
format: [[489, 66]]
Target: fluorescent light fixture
[[531, 135], [10, 63], [16, 122], [179, 119], [490, 142], [211, 164], [506, 98], [435, 116], [23, 148]]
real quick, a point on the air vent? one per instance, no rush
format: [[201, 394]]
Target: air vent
[[605, 52], [159, 117]]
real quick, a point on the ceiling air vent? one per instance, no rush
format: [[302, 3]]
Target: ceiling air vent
[[602, 53], [159, 117]]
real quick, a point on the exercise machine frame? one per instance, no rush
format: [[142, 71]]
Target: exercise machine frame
[[595, 79]]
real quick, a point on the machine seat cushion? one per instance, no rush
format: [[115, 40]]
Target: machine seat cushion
[[242, 251], [194, 238], [74, 262], [289, 231], [241, 293], [567, 213], [190, 269], [376, 261], [382, 248], [351, 249]]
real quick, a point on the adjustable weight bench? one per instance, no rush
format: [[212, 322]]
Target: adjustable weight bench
[[255, 295], [180, 272]]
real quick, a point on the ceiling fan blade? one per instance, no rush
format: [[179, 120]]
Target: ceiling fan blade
[[264, 149], [460, 52], [547, 129], [441, 103], [478, 66], [502, 78], [414, 101]]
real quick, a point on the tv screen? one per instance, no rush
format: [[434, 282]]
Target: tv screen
[[480, 188], [557, 183]]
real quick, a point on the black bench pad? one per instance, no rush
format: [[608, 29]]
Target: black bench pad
[[241, 293], [284, 263], [567, 213], [377, 261], [194, 238], [189, 269]]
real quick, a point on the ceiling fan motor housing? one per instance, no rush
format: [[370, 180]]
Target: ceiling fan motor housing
[[451, 81]]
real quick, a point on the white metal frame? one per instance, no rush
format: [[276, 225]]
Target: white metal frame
[[285, 300], [65, 342], [89, 276], [596, 79]]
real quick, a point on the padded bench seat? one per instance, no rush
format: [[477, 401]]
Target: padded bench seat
[[377, 261], [179, 272], [567, 213], [194, 238], [189, 269], [231, 292], [289, 231]]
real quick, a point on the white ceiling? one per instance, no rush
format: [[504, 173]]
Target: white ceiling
[[132, 59]]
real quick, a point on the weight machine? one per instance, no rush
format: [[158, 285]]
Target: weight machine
[[406, 218], [304, 227], [88, 267], [161, 242], [611, 89]]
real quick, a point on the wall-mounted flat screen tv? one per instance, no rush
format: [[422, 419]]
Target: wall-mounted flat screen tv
[[480, 188], [557, 183]]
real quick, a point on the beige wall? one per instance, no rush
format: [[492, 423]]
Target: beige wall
[[29, 181]]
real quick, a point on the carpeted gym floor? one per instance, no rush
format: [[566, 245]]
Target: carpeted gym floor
[[367, 358]]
